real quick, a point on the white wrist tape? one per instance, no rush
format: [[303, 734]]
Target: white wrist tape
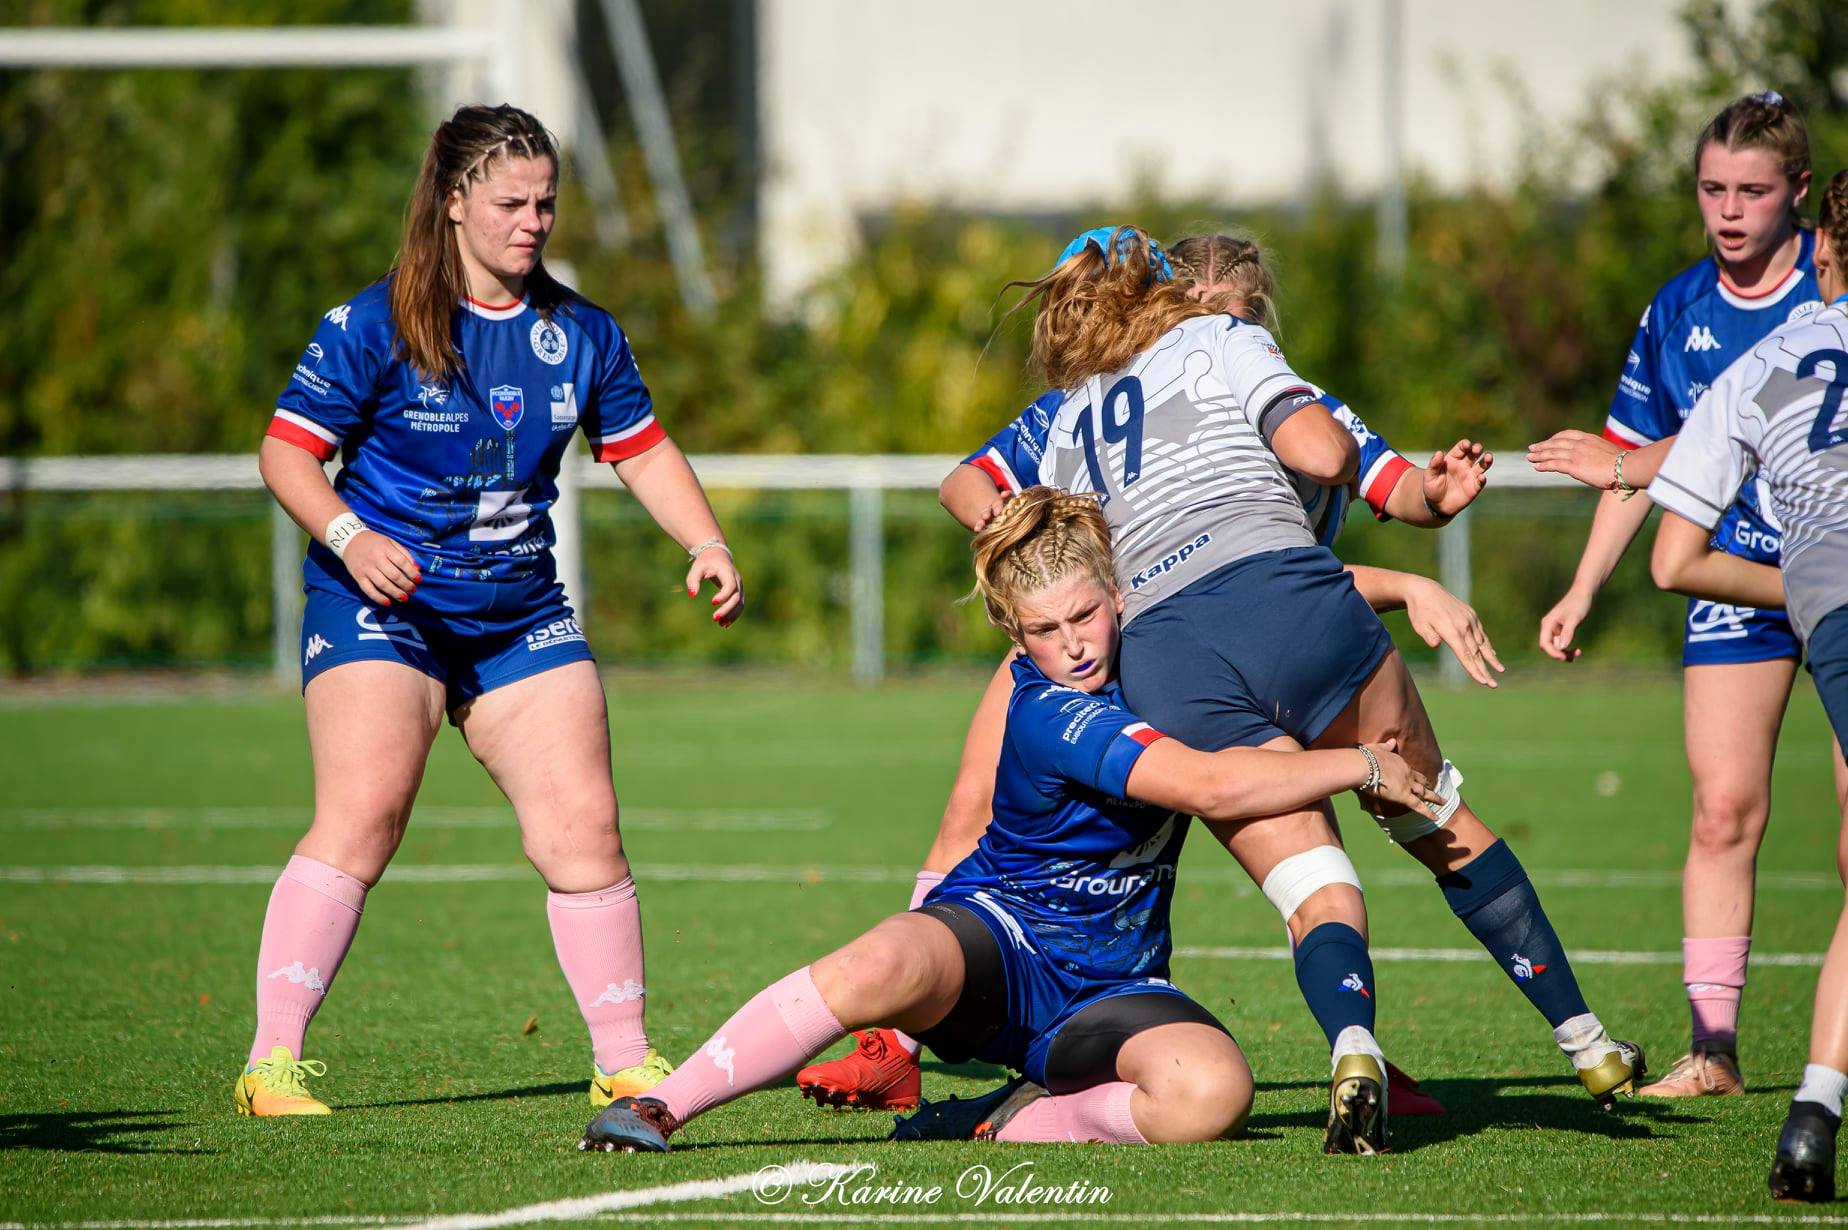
[[1298, 877], [341, 531], [1411, 826]]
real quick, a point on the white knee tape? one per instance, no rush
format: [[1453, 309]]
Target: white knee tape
[[1291, 882], [1411, 826]]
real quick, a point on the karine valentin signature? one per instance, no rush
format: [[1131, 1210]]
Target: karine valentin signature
[[859, 1184]]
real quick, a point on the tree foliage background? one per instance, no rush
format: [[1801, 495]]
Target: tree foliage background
[[170, 238]]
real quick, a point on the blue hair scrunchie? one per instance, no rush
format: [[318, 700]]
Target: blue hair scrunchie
[[1117, 241]]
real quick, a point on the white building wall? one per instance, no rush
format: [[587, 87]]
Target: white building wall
[[1048, 105]]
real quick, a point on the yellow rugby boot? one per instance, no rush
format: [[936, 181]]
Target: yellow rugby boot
[[274, 1086], [1621, 1071], [630, 1082], [1356, 1106]]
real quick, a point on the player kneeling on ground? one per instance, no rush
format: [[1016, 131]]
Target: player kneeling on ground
[[1046, 950]]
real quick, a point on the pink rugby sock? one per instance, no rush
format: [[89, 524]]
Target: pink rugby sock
[[598, 938], [782, 1027], [1100, 1113], [313, 913], [1714, 971], [926, 881]]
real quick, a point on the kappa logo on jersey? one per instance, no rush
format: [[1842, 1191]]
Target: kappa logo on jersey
[[558, 632], [564, 407], [302, 977], [316, 644], [627, 993], [1525, 970], [1701, 338], [1354, 982], [1168, 562], [339, 315], [722, 1058], [1718, 621], [549, 342], [507, 402]]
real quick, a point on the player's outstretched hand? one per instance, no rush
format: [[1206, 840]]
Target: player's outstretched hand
[[715, 564], [1402, 784], [1590, 459], [991, 512], [385, 571], [1559, 625], [1442, 618], [1454, 479]]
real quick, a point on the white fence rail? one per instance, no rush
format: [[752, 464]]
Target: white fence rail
[[865, 477]]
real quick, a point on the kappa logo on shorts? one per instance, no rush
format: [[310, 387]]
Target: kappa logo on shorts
[[507, 402], [549, 342], [1354, 982], [558, 632], [316, 644], [302, 976], [1525, 970]]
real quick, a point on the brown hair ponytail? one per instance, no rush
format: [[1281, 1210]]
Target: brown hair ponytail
[[1039, 537], [427, 277]]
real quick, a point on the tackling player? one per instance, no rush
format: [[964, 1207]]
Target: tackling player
[[1047, 948], [451, 390], [1229, 273], [1752, 171], [1778, 410]]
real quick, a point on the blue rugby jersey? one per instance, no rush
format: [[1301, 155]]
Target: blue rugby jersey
[[1693, 330], [1011, 458], [463, 471], [1090, 873]]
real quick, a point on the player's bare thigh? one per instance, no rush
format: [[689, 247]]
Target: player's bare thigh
[[545, 740], [1388, 707], [907, 972], [1192, 1082], [970, 807], [1260, 844], [370, 727]]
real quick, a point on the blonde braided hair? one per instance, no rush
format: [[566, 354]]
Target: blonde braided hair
[[1039, 538]]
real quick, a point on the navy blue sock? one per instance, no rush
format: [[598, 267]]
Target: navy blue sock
[[1495, 900], [1336, 975]]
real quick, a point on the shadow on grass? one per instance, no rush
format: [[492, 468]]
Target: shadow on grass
[[87, 1132], [1477, 1103], [496, 1095]]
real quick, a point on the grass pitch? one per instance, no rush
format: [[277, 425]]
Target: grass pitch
[[767, 825]]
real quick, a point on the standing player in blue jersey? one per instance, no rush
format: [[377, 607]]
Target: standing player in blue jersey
[[451, 390], [1047, 948], [1775, 418], [1229, 273], [1752, 172]]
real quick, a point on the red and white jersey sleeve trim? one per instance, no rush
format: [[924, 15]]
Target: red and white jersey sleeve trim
[[992, 464], [304, 433], [1381, 477], [1143, 733], [1624, 437], [632, 440]]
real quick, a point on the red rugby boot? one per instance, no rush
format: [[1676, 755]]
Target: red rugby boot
[[879, 1075], [1405, 1098]]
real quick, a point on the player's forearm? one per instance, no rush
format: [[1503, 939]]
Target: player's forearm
[[1241, 782], [1384, 589], [1683, 562], [966, 494], [1613, 527], [1406, 502], [1640, 465], [662, 480], [295, 477]]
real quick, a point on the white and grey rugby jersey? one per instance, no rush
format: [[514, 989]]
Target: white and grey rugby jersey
[[1178, 445], [1777, 408]]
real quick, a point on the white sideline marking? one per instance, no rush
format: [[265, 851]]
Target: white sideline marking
[[986, 1217], [1578, 956], [809, 873], [429, 816]]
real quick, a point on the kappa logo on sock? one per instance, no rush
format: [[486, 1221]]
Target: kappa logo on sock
[[1354, 982], [1525, 969], [722, 1057], [302, 977], [627, 993]]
